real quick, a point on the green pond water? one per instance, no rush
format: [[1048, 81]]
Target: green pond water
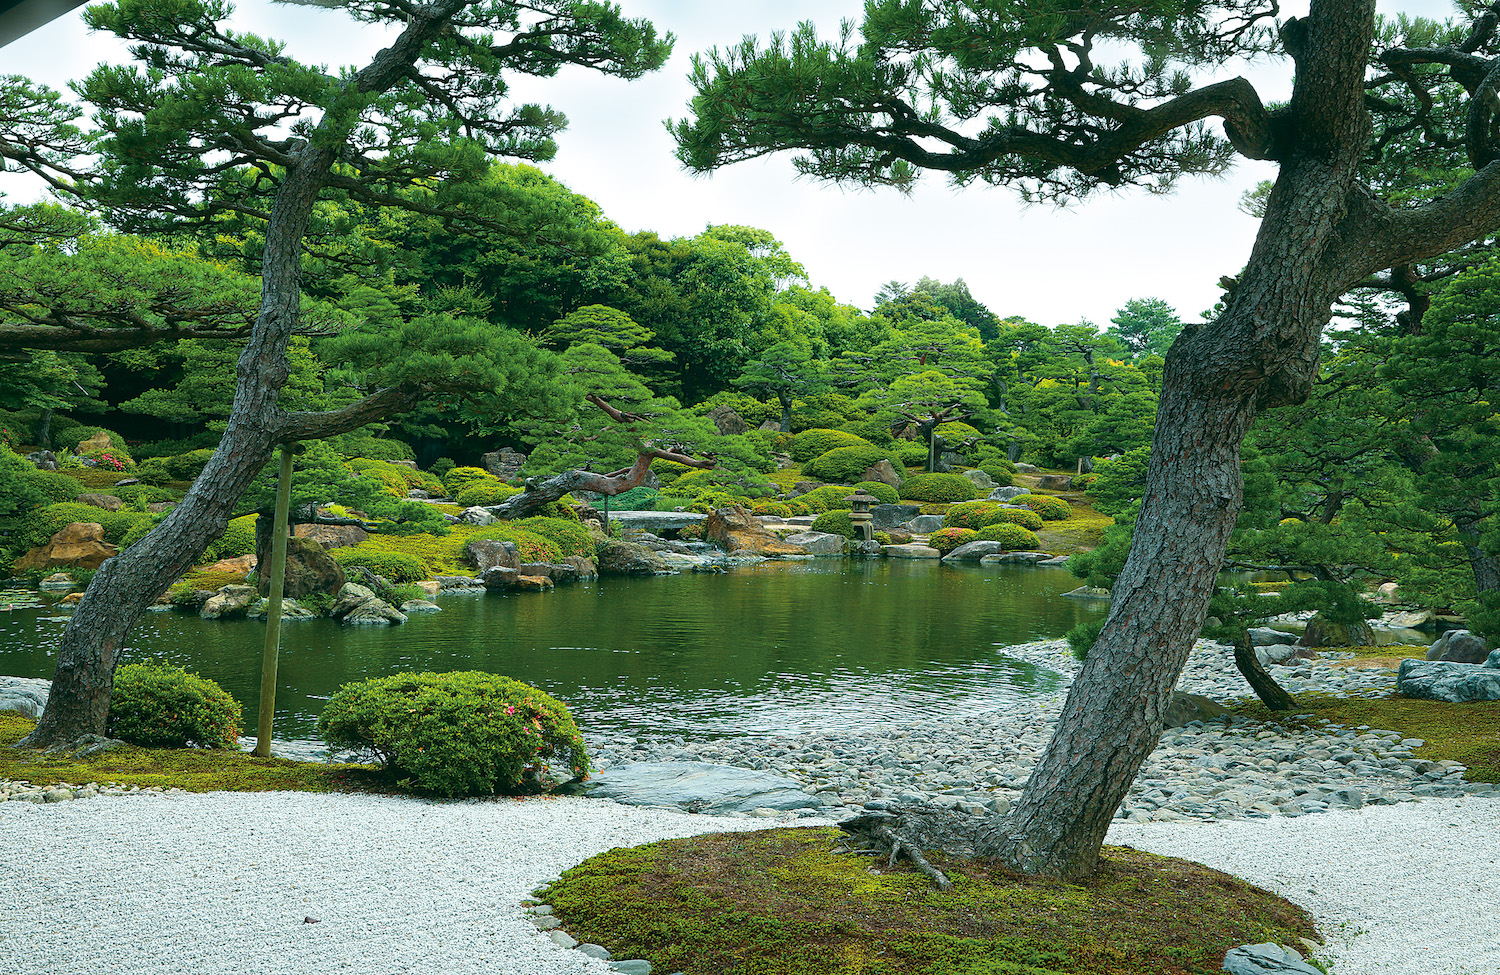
[[777, 648]]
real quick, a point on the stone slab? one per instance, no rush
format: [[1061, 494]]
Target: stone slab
[[655, 522]]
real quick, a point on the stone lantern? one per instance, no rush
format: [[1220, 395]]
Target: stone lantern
[[860, 504]]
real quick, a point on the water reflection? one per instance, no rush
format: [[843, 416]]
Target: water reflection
[[777, 648]]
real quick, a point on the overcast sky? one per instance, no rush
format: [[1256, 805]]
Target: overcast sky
[[1049, 265]]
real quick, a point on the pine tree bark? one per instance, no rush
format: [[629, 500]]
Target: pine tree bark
[[128, 583]]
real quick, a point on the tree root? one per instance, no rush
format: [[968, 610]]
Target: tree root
[[907, 831]]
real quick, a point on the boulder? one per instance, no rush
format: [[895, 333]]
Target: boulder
[[1055, 482], [126, 481], [332, 536], [1276, 653], [1323, 633], [351, 596], [803, 487], [477, 516], [1264, 636], [44, 460], [1088, 592], [1027, 469], [555, 571], [819, 543], [1459, 647], [526, 583], [429, 586], [737, 531], [230, 602], [290, 610], [911, 550], [160, 507], [697, 787], [617, 558], [770, 426], [893, 515], [1016, 558], [1266, 959], [664, 523], [106, 501], [24, 695], [981, 480], [240, 565], [729, 422], [376, 612], [490, 553], [504, 463], [1007, 493], [420, 606], [882, 471], [974, 551], [1389, 592], [924, 524], [1186, 708], [98, 442], [583, 567], [79, 545], [309, 569], [1412, 619], [1437, 680], [499, 577], [57, 580], [457, 582], [898, 536]]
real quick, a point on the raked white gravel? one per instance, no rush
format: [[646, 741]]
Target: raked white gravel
[[221, 884]]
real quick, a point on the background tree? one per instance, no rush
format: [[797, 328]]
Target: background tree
[[1145, 326], [1024, 96], [785, 372], [206, 103]]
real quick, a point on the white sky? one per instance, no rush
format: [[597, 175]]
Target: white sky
[[1049, 265]]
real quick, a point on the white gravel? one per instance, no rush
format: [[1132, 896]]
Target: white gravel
[[223, 882]]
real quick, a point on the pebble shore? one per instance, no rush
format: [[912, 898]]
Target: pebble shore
[[1221, 769]]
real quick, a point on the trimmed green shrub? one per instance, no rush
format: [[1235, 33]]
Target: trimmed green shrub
[[140, 495], [938, 487], [872, 430], [980, 514], [459, 477], [238, 539], [441, 467], [1050, 508], [883, 492], [42, 523], [458, 734], [392, 566], [738, 484], [140, 530], [156, 705], [639, 498], [569, 535], [762, 506], [819, 441], [52, 485], [845, 465], [691, 533], [1081, 638], [1013, 537], [946, 540], [911, 454], [484, 492], [1002, 474], [798, 507], [410, 477], [835, 523]]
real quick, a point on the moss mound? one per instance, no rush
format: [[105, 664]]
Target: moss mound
[[788, 902]]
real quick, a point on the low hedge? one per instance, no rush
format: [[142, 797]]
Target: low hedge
[[1013, 537], [820, 440], [845, 465], [946, 540], [1002, 474], [938, 488], [457, 734], [980, 514], [157, 705], [392, 566], [1050, 508]]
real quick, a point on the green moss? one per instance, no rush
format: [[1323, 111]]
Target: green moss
[[788, 902]]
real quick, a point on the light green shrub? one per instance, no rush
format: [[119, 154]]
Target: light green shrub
[[882, 492], [1050, 508], [835, 523], [979, 514], [161, 706], [1013, 537], [238, 539], [845, 465], [458, 734], [938, 487], [946, 540], [484, 492], [818, 441], [392, 566]]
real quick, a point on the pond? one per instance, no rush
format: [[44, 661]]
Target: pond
[[775, 648]]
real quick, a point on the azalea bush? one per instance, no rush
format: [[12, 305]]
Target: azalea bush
[[157, 705], [457, 734]]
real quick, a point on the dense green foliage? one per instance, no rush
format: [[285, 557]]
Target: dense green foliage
[[161, 706], [392, 566], [845, 465], [456, 734], [981, 514], [938, 487]]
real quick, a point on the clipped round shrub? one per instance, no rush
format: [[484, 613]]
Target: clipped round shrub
[[156, 705], [882, 492], [1013, 537], [910, 453], [845, 465], [484, 492], [829, 497], [820, 440], [42, 523], [570, 535], [798, 507], [238, 539], [835, 523], [775, 508], [1050, 508], [144, 494], [737, 484], [458, 478], [1082, 481], [458, 734], [946, 540], [872, 430], [1002, 474], [980, 514], [938, 488], [392, 566], [54, 486]]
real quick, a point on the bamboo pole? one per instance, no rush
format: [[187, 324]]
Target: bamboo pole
[[272, 648]]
